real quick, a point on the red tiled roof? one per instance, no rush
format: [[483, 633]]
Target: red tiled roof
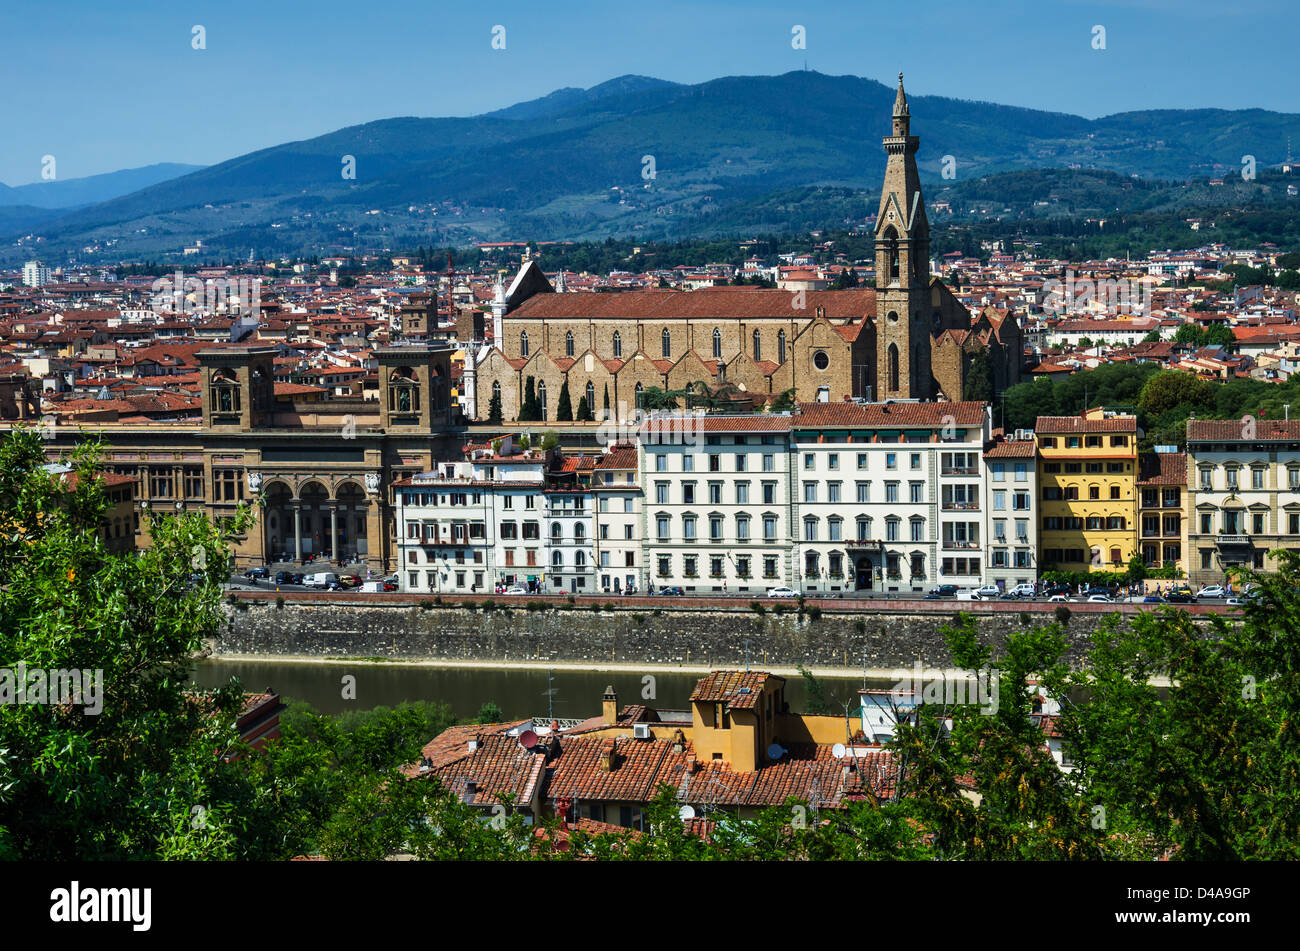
[[816, 415], [720, 302], [739, 688], [1162, 468], [1053, 425], [1233, 430]]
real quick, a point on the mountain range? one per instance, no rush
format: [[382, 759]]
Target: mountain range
[[632, 156]]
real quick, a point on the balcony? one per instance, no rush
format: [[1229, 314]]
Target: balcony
[[960, 506], [958, 470], [950, 545], [1233, 541]]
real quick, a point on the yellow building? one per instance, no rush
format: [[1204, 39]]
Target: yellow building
[[1087, 474]]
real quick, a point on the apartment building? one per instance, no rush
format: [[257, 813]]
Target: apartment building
[[1011, 505], [467, 526], [617, 539], [569, 522], [1243, 494], [886, 496], [1087, 475], [1162, 487], [716, 509]]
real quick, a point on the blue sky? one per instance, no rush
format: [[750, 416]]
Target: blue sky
[[102, 88]]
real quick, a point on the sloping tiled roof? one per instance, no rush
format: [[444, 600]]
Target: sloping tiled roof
[[720, 302], [739, 688], [1233, 430], [816, 415], [1054, 425], [1162, 468]]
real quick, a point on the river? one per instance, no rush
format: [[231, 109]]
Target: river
[[519, 692]]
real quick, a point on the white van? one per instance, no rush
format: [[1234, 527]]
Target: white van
[[372, 587], [321, 579]]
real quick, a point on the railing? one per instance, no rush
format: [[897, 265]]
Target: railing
[[1232, 539], [950, 545], [960, 506], [958, 470]]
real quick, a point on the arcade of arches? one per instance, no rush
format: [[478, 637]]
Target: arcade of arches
[[314, 518]]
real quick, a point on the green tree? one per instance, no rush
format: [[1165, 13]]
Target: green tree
[[978, 382], [530, 410], [1171, 389], [495, 415], [564, 408], [1191, 334], [584, 411]]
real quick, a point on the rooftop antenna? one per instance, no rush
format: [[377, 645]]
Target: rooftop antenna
[[747, 655], [550, 694]]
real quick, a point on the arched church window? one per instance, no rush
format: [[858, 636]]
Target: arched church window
[[780, 346], [618, 344], [667, 341], [891, 253], [591, 396], [568, 343], [893, 366], [758, 348], [717, 344], [541, 396], [523, 344]]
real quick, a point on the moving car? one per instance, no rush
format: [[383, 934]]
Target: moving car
[[1180, 597], [1212, 591], [1025, 590], [1100, 599], [988, 591], [252, 573], [322, 579], [945, 591], [1057, 589], [515, 589], [782, 592], [284, 577], [1059, 599], [1153, 599]]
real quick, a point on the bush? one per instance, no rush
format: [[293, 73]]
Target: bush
[[1063, 614], [860, 626], [1024, 618], [639, 618], [489, 605], [469, 605], [535, 606], [609, 606], [814, 613], [438, 600], [779, 609], [427, 605], [757, 608], [279, 602], [571, 599]]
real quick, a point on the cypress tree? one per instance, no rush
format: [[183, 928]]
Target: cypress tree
[[564, 409]]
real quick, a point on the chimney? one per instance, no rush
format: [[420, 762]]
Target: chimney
[[679, 741], [607, 756], [609, 705]]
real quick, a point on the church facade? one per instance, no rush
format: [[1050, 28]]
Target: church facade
[[909, 338]]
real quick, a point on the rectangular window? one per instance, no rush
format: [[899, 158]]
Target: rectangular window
[[862, 461], [832, 491], [688, 463], [715, 493], [769, 462], [999, 500], [915, 490], [891, 491], [715, 463], [833, 460], [810, 491], [864, 491], [769, 528], [808, 460], [661, 463], [740, 462], [891, 460], [769, 493], [742, 493], [916, 460]]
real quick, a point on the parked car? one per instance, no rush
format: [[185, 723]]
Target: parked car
[[1153, 599], [1093, 592], [284, 577], [350, 581], [372, 587], [1180, 597], [322, 579], [297, 578], [676, 590], [1212, 591], [252, 573], [945, 591], [1059, 599], [988, 591], [1023, 591], [515, 589], [389, 585], [781, 591], [1100, 599], [1056, 589]]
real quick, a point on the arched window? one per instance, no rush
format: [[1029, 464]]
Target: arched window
[[717, 344], [758, 347], [618, 344], [591, 397], [541, 396], [568, 343], [780, 346], [555, 531], [893, 367], [224, 392], [640, 396], [557, 559], [891, 253], [579, 532], [403, 391], [496, 390], [523, 344], [580, 559], [667, 342]]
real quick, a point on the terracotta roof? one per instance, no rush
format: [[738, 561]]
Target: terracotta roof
[[719, 302], [739, 688], [1162, 468], [1010, 449], [760, 423], [817, 415], [1235, 430], [1053, 425]]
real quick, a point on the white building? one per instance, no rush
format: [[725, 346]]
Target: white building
[[1011, 507], [617, 499], [717, 500], [35, 274]]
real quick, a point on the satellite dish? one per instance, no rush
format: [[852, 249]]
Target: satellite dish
[[838, 751], [686, 812], [528, 739], [775, 751]]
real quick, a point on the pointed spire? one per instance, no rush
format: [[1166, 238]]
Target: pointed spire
[[900, 101]]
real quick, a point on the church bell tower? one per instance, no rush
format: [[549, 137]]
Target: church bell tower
[[902, 269]]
